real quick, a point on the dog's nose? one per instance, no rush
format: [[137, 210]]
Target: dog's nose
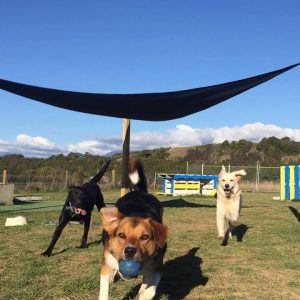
[[130, 251], [226, 186]]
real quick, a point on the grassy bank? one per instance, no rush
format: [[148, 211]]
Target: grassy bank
[[261, 262]]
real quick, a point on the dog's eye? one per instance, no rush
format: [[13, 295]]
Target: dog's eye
[[121, 235], [231, 180], [144, 237], [223, 180]]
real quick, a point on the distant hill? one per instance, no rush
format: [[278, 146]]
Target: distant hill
[[178, 152], [76, 168], [112, 153]]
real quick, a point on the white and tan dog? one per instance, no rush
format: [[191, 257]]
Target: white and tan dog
[[229, 200], [134, 230]]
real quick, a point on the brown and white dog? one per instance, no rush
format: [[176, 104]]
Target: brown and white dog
[[229, 200], [133, 229]]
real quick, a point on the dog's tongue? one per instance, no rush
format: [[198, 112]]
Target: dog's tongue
[[81, 211], [227, 192]]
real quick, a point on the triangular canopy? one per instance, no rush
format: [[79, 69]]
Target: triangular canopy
[[148, 106]]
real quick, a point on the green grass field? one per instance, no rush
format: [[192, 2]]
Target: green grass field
[[261, 262]]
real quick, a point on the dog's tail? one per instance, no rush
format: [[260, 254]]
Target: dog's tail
[[137, 175], [99, 175]]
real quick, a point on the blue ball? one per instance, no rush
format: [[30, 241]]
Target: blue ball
[[130, 268]]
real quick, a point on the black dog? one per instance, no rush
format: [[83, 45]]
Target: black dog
[[78, 207]]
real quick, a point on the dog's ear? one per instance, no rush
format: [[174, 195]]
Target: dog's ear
[[223, 170], [110, 218], [238, 174], [160, 233]]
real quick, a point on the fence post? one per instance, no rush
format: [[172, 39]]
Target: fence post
[[154, 182], [202, 169], [113, 177], [187, 167], [229, 168], [66, 179], [4, 180], [257, 176]]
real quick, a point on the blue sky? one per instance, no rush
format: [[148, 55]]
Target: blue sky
[[147, 46]]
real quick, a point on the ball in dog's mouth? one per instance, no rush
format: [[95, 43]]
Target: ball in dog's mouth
[[130, 268]]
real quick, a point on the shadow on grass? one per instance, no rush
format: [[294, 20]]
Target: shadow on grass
[[295, 212], [16, 201], [62, 251], [239, 231], [255, 206], [96, 242], [180, 276], [182, 203]]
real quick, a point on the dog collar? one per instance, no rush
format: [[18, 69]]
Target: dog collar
[[71, 209]]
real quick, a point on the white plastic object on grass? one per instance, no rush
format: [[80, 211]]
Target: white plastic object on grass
[[16, 221]]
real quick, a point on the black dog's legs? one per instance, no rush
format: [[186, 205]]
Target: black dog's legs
[[99, 201], [86, 227], [60, 227]]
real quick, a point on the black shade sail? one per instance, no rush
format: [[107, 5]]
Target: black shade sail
[[147, 106]]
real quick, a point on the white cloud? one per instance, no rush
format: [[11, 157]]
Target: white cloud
[[185, 135], [30, 147], [181, 135], [99, 146], [37, 141]]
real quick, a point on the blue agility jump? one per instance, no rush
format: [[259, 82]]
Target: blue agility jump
[[289, 182], [188, 184]]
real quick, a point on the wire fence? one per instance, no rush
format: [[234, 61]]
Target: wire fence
[[264, 179], [61, 180], [258, 179]]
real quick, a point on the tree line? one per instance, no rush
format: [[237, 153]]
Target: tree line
[[59, 171]]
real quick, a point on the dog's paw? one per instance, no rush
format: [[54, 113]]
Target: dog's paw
[[83, 246], [234, 223], [221, 238], [147, 294], [46, 253], [113, 276]]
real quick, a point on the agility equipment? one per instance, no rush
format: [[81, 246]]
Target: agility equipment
[[188, 184], [289, 182], [16, 221]]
